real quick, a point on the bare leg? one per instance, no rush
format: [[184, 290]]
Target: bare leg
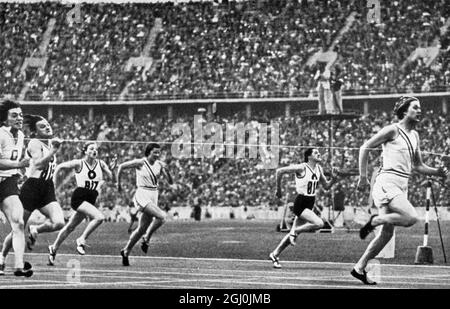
[[284, 243], [399, 212], [405, 219], [96, 216], [313, 223], [144, 222], [13, 210], [159, 218], [8, 242], [375, 247], [74, 221], [55, 217]]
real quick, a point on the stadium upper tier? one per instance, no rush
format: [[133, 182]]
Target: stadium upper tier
[[210, 50]]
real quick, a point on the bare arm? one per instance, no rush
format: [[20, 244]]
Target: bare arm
[[285, 170], [386, 134], [6, 164], [327, 183], [422, 168], [73, 164], [316, 77], [106, 170], [166, 173], [35, 151], [136, 163]]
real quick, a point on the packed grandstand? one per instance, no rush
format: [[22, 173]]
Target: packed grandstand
[[220, 50]]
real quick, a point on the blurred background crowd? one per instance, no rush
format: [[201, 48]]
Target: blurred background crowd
[[225, 49], [220, 49]]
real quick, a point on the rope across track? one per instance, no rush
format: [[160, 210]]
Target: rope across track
[[225, 144]]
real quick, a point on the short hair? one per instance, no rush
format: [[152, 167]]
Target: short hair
[[402, 105], [307, 153], [86, 145], [5, 106], [150, 147], [31, 120]]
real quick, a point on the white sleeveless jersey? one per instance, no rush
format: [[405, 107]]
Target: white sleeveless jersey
[[147, 175], [46, 173], [90, 177], [10, 149], [306, 183], [398, 155]]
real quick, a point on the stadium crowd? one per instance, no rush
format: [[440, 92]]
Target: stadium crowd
[[220, 181], [207, 49], [223, 49], [374, 55], [19, 39]]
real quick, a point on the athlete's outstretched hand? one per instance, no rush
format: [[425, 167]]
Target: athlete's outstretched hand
[[363, 183]]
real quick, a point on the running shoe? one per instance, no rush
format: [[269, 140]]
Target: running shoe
[[80, 247], [275, 260], [367, 229], [32, 237], [51, 255], [362, 277], [144, 245], [25, 272], [125, 261]]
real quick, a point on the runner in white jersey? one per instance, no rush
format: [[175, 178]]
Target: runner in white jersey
[[38, 191], [11, 162], [401, 155], [89, 173], [307, 177], [148, 170]]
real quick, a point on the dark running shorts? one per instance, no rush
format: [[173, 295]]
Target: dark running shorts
[[37, 193], [81, 195], [8, 187], [303, 202]]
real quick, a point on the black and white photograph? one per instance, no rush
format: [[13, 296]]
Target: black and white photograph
[[224, 150]]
